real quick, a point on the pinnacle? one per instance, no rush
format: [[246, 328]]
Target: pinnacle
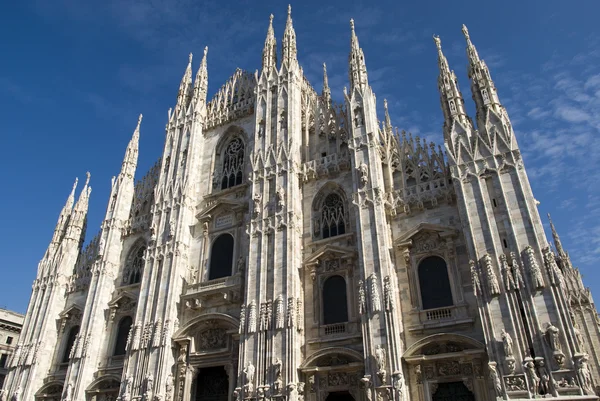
[[289, 10], [190, 57], [438, 42], [465, 31], [87, 179], [352, 24]]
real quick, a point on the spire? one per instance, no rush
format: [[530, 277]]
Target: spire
[[450, 96], [131, 154], [63, 219], [289, 50], [388, 121], [78, 218], [358, 68], [270, 49], [185, 87], [482, 86], [201, 82], [556, 238], [326, 91]]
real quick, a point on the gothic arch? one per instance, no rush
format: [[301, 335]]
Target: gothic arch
[[108, 385], [468, 342], [351, 354], [231, 158], [330, 212], [134, 263]]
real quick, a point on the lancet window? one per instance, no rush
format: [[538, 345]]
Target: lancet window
[[335, 301], [434, 283], [233, 164], [134, 266], [221, 257], [333, 217], [122, 334], [70, 343]]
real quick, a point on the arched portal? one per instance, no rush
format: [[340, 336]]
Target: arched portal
[[211, 384], [452, 391]]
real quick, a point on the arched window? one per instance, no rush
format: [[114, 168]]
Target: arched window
[[335, 303], [221, 257], [122, 335], [434, 283], [333, 219], [233, 164], [135, 266], [70, 343]]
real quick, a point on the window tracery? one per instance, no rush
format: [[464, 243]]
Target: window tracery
[[233, 164], [332, 219], [135, 266]]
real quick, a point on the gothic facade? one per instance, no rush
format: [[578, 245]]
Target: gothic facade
[[287, 248]]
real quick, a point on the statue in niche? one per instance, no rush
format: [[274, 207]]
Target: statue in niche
[[283, 121], [534, 379], [261, 128], [169, 388], [280, 197], [182, 353], [508, 344], [17, 394], [495, 378], [578, 338], [257, 203], [153, 232], [278, 383], [366, 382], [249, 372], [585, 376], [380, 358], [544, 377], [536, 273], [363, 173], [552, 333], [358, 117], [398, 384]]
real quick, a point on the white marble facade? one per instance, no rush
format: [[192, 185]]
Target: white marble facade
[[285, 247]]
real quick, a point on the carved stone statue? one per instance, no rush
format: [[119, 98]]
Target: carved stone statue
[[366, 382], [68, 393], [388, 294], [552, 333], [279, 318], [507, 276], [358, 117], [579, 339], [182, 353], [507, 341], [362, 302], [534, 379], [148, 384], [249, 372], [126, 388], [17, 394], [585, 376], [283, 121], [398, 384], [169, 388], [544, 377], [363, 173], [278, 382], [252, 317], [261, 128], [280, 197], [475, 278], [493, 286], [257, 203], [536, 273], [495, 378], [380, 358], [375, 299]]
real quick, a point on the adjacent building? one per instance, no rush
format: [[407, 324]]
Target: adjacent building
[[11, 324]]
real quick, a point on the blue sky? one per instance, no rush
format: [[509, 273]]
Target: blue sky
[[75, 75]]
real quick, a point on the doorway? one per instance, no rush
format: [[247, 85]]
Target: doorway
[[453, 391], [340, 396], [212, 384]]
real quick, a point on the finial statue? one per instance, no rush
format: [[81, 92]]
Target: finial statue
[[438, 42], [271, 18], [289, 9], [87, 179], [190, 57], [352, 24], [205, 50], [140, 119]]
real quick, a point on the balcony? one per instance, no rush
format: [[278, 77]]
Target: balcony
[[455, 315], [218, 291]]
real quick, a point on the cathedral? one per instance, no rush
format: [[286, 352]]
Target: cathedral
[[288, 248]]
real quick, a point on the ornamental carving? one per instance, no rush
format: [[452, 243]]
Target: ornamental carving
[[211, 339], [492, 280], [536, 274], [450, 368], [279, 313], [242, 319], [426, 243], [336, 379], [507, 276], [362, 301], [252, 317], [515, 383], [388, 294], [375, 299]]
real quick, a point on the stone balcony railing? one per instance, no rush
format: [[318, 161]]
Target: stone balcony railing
[[441, 317], [415, 197], [325, 166], [221, 290]]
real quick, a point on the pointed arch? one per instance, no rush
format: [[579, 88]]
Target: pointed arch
[[312, 360], [230, 159], [134, 263], [330, 212]]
